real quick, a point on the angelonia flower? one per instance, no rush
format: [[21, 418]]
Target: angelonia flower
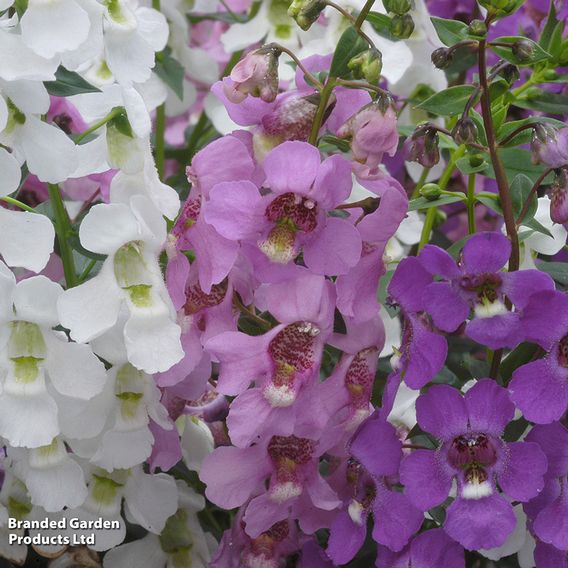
[[271, 291]]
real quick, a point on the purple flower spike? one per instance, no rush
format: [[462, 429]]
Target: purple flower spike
[[473, 453], [477, 284]]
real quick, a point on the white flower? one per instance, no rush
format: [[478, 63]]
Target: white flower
[[132, 36], [52, 476], [181, 543], [49, 153], [149, 500], [132, 237], [36, 362], [196, 441], [539, 242], [129, 402], [50, 27], [18, 61]]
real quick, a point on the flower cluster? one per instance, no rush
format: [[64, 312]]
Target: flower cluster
[[283, 283]]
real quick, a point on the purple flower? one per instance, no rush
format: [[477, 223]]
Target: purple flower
[[357, 290], [472, 452], [238, 550], [378, 450], [540, 388], [373, 133], [430, 549], [422, 352], [476, 283], [296, 489], [293, 218], [282, 363], [550, 146], [549, 510]]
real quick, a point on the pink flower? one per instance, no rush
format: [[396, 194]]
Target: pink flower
[[373, 133], [293, 218], [255, 75]]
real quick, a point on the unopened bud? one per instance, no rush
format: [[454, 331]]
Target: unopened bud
[[367, 65], [465, 131], [442, 57], [402, 26], [523, 50], [398, 7], [422, 146], [431, 191], [255, 75], [550, 75], [510, 73], [559, 198], [306, 12], [475, 160], [477, 28]]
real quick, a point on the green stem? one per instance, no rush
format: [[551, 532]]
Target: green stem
[[500, 175], [420, 183], [363, 13], [17, 203], [471, 204], [87, 270], [160, 141], [63, 230], [320, 113], [442, 183], [114, 112]]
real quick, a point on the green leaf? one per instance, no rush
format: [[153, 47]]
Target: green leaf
[[538, 54], [519, 190], [455, 249], [382, 25], [519, 356], [422, 203], [549, 27], [350, 44], [536, 226], [450, 32], [171, 72], [555, 45], [490, 200], [543, 101], [339, 143], [515, 430], [558, 271], [76, 245], [68, 83], [449, 101], [518, 161]]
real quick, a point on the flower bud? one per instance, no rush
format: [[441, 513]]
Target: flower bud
[[523, 50], [367, 65], [398, 7], [431, 191], [510, 73], [255, 75], [422, 146], [549, 146], [402, 26], [442, 57], [477, 28], [559, 198], [373, 133], [306, 12], [465, 131]]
